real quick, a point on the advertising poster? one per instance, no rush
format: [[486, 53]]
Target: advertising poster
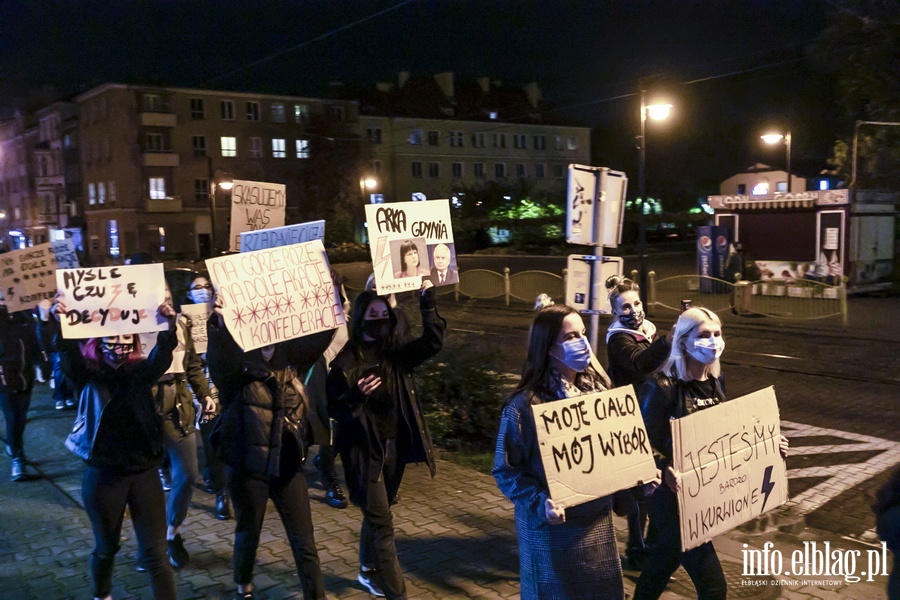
[[105, 301], [732, 470], [29, 276], [276, 294], [410, 241], [255, 205], [593, 445]]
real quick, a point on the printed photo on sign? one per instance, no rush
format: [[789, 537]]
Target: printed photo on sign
[[282, 236], [731, 465], [403, 238], [444, 270], [593, 445], [28, 276], [106, 301], [255, 205], [276, 294]]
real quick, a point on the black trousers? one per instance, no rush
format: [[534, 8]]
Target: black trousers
[[212, 463], [106, 493], [373, 485], [249, 495], [664, 554], [15, 413]]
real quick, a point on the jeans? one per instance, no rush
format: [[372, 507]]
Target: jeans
[[664, 554], [15, 413], [61, 389], [106, 493], [249, 494], [182, 452], [372, 486]]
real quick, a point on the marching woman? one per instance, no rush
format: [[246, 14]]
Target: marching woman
[[563, 553], [689, 381], [119, 435], [372, 396]]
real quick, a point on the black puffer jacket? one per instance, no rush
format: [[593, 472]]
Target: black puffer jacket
[[260, 400], [19, 349]]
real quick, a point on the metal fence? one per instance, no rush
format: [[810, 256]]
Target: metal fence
[[794, 300]]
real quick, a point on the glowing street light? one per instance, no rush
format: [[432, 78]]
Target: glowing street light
[[775, 138]]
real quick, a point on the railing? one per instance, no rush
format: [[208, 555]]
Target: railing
[[795, 300]]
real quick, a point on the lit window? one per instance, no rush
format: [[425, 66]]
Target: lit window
[[434, 169], [229, 146], [571, 144], [113, 236], [457, 169], [92, 194], [157, 187], [823, 184], [277, 112], [252, 111], [226, 108], [198, 112], [278, 148], [199, 144], [256, 147], [302, 148], [301, 113], [493, 115], [781, 186], [415, 137], [101, 193], [760, 189], [416, 168]]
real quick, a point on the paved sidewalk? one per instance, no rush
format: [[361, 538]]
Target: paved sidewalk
[[456, 539]]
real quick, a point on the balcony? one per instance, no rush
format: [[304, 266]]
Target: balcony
[[158, 119], [170, 204], [161, 159]]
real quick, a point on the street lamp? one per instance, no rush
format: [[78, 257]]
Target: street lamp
[[657, 112], [774, 138], [219, 178]]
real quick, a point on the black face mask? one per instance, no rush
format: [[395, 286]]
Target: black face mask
[[379, 329]]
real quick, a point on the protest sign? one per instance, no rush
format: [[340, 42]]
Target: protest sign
[[593, 445], [282, 236], [105, 301], [276, 294], [255, 205], [29, 276], [732, 470], [403, 239], [197, 314]]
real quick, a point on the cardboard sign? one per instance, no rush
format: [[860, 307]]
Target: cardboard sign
[[197, 314], [282, 236], [105, 301], [403, 239], [255, 205], [29, 276], [732, 470], [593, 445], [277, 294]]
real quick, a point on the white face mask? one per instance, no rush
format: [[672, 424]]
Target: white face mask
[[576, 353], [201, 296], [707, 350]]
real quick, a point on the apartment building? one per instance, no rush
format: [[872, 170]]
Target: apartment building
[[149, 156], [429, 138], [19, 213]]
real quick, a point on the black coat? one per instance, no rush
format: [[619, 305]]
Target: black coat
[[261, 401], [19, 349], [632, 360]]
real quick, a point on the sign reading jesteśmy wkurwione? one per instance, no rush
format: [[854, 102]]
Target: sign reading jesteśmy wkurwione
[[276, 294], [593, 445], [731, 465]]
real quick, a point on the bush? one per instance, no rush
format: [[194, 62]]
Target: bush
[[462, 397]]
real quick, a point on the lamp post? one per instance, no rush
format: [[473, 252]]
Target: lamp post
[[774, 138], [657, 112], [217, 179]]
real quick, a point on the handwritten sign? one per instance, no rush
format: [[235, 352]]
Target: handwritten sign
[[593, 445], [732, 470], [29, 276], [255, 205], [282, 236], [197, 314], [402, 236], [104, 301], [277, 294]]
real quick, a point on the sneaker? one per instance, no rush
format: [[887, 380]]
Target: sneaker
[[334, 496], [20, 472], [178, 556], [60, 404], [369, 580]]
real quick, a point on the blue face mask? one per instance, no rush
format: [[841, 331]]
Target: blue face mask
[[576, 353]]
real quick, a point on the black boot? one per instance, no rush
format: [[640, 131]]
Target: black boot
[[223, 507]]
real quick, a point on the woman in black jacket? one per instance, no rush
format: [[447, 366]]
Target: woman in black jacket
[[381, 427], [262, 435], [119, 435]]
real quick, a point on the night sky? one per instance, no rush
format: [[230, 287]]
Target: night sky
[[731, 67]]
